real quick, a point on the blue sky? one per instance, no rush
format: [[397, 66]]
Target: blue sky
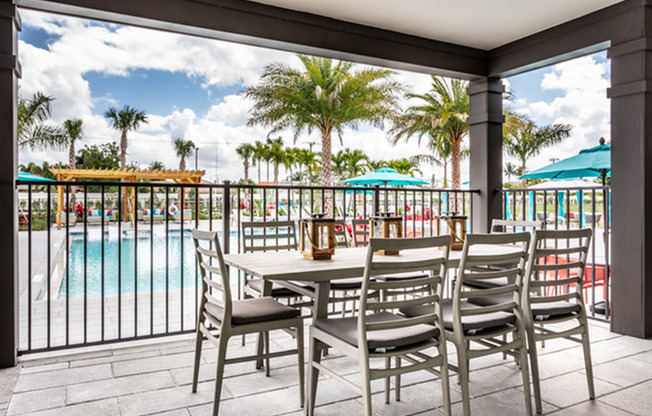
[[190, 87]]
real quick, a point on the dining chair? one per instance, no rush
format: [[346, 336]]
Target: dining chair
[[543, 303], [378, 332], [483, 317], [220, 317], [511, 226], [361, 232], [263, 236]]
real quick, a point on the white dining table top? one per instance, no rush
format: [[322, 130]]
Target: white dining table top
[[346, 263]]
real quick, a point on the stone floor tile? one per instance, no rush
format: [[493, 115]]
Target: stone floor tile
[[47, 367], [63, 377], [119, 386], [509, 402], [258, 383], [8, 379], [32, 401], [101, 407], [152, 364], [154, 402], [593, 408], [636, 400], [570, 389], [624, 372]]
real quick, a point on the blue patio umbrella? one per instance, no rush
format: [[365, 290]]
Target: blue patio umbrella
[[25, 176], [385, 177], [593, 162]]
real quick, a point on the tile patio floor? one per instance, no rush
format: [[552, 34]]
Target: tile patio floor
[[153, 377]]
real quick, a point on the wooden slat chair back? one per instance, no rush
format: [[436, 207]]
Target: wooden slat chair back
[[220, 317], [341, 234], [269, 236], [361, 232], [483, 317], [378, 332], [512, 226], [552, 294]]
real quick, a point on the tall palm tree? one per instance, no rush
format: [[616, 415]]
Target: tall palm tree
[[124, 121], [183, 149], [357, 162], [290, 160], [32, 132], [156, 165], [310, 160], [276, 154], [442, 111], [406, 166], [339, 166], [73, 133], [257, 156], [245, 151], [526, 140], [325, 95]]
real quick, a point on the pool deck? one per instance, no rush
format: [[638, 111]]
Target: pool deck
[[153, 378]]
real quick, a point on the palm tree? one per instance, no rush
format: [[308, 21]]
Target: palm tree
[[124, 121], [325, 95], [374, 165], [183, 149], [245, 151], [525, 140], [338, 166], [310, 160], [276, 154], [406, 166], [32, 132], [441, 115], [513, 170], [73, 133], [156, 165], [290, 160], [257, 156], [357, 162]]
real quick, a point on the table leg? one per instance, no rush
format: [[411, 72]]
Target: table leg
[[260, 347], [320, 307]]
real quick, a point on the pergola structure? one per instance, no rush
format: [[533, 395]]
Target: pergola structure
[[130, 175], [476, 40]]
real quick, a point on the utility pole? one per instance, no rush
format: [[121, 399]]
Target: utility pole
[[196, 156]]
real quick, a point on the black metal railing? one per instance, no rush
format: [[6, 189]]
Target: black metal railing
[[566, 208], [118, 263]]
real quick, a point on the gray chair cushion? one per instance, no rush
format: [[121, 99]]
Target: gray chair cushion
[[470, 324], [545, 310], [400, 276], [278, 291], [346, 329], [347, 284], [249, 311], [492, 300], [487, 283]]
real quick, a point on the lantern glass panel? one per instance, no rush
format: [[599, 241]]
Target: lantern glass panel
[[306, 236], [378, 228], [323, 236]]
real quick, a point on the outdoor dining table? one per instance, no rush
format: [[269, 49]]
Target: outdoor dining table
[[346, 263]]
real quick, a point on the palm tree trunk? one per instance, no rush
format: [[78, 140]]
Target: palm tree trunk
[[258, 165], [326, 174], [275, 173], [71, 165], [445, 174], [246, 170], [523, 181], [455, 167], [267, 173]]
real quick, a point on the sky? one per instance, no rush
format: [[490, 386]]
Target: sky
[[192, 88]]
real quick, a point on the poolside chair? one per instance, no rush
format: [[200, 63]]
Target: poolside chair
[[379, 333], [220, 317], [496, 314], [548, 300], [361, 232]]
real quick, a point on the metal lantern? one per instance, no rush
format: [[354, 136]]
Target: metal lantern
[[317, 236], [456, 228], [386, 225]]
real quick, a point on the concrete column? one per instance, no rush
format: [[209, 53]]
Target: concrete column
[[631, 180], [9, 74], [486, 143]]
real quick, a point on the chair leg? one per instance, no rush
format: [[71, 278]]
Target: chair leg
[[445, 380], [301, 362], [314, 356], [219, 373], [586, 345], [199, 340], [525, 372], [366, 385], [463, 379], [388, 364], [267, 353], [397, 381], [534, 365]]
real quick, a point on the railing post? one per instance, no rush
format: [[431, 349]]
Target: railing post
[[376, 200], [226, 216]]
